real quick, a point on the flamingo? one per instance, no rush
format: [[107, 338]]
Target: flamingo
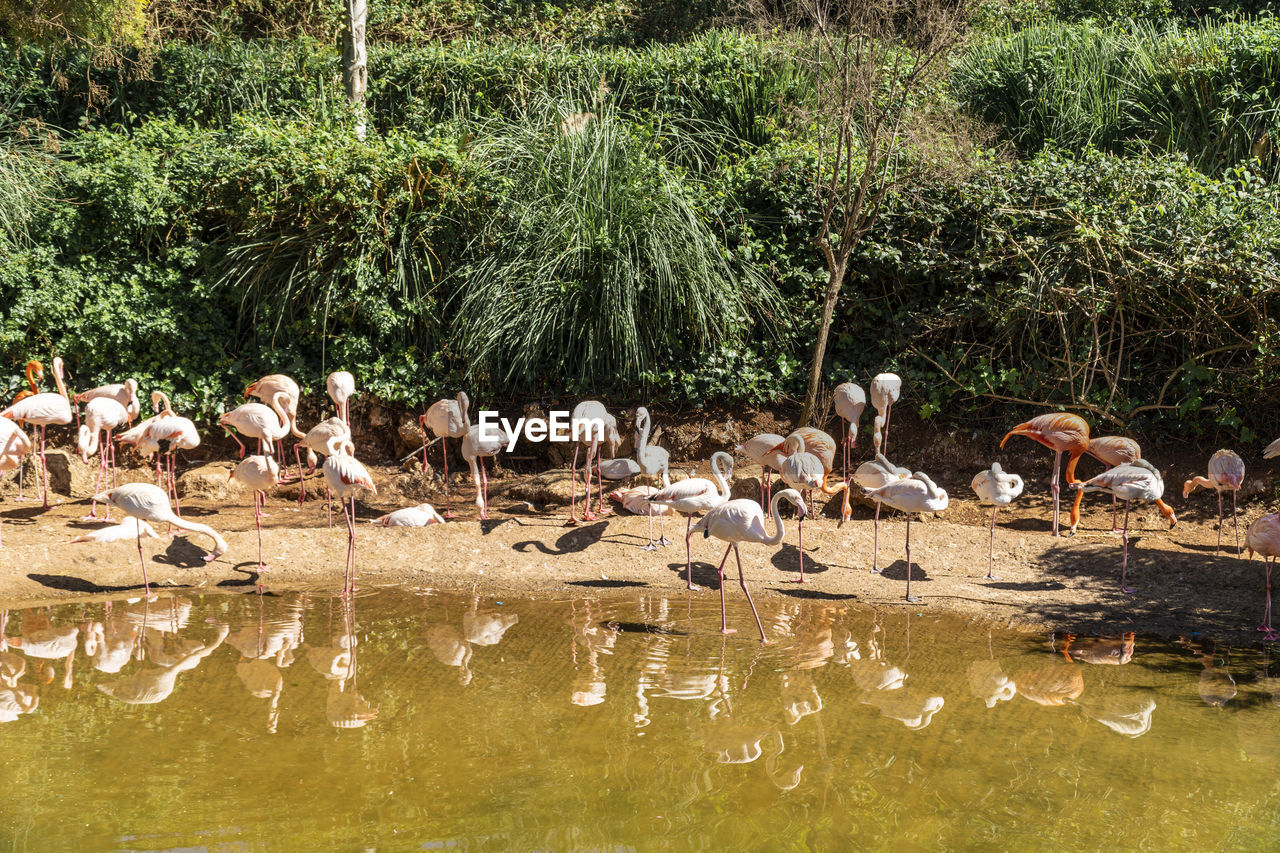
[[446, 419], [14, 446], [345, 476], [763, 451], [414, 516], [101, 414], [995, 487], [917, 493], [317, 441], [1113, 450], [268, 424], [44, 410], [742, 520], [127, 529], [636, 501], [819, 444], [850, 401], [696, 494], [171, 433], [474, 449], [281, 393], [1138, 480], [341, 386], [258, 473], [125, 393], [35, 375], [805, 470], [1226, 471], [653, 460], [1263, 538], [875, 474], [146, 502], [1061, 433], [584, 416], [885, 390]]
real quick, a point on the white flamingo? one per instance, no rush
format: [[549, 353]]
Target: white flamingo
[[584, 416], [876, 474], [742, 520], [653, 460], [1138, 480], [446, 419], [125, 393], [341, 386], [101, 415], [281, 393], [693, 495], [1226, 471], [917, 493], [885, 390], [413, 516], [130, 528], [763, 450], [995, 487], [317, 441], [345, 476], [258, 473], [850, 400], [44, 410], [14, 446], [146, 502], [636, 501], [474, 449], [268, 424], [805, 472]]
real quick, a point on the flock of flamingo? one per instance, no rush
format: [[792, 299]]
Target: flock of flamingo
[[804, 460]]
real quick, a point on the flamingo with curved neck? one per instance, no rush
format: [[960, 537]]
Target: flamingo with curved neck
[[696, 494], [446, 419], [44, 410]]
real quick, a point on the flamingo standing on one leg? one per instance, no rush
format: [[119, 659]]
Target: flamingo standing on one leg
[[917, 493], [763, 450], [474, 449], [997, 488], [446, 419], [876, 474], [1226, 471], [804, 471], [101, 415], [345, 476], [125, 393], [1138, 480], [255, 420], [1061, 433], [317, 441], [654, 462], [341, 386], [44, 410], [1263, 538], [149, 503], [885, 390], [742, 520], [693, 495], [850, 401], [258, 473], [35, 375], [586, 415]]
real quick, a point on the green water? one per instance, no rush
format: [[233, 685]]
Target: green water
[[420, 721]]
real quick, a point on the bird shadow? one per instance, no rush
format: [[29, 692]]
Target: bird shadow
[[607, 584], [1021, 586], [787, 559], [644, 628], [182, 553], [704, 574], [897, 571], [488, 525], [70, 583], [23, 513], [570, 542], [197, 511], [1028, 525], [815, 594], [1228, 549], [252, 576]]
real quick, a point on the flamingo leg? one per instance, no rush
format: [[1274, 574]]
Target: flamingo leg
[[146, 585], [603, 510], [259, 498], [1114, 508], [911, 598], [44, 467], [888, 413], [688, 554], [662, 534], [742, 582], [1218, 550], [991, 547], [651, 546], [587, 514], [768, 486], [1235, 520], [351, 547], [297, 457], [1053, 486], [724, 622], [424, 448], [111, 451], [808, 497], [1268, 564], [875, 542], [573, 486], [484, 481], [328, 496], [1124, 563], [97, 480], [448, 500]]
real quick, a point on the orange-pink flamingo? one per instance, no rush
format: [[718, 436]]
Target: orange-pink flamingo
[[44, 410], [1138, 480], [1226, 471], [1061, 433], [1263, 538]]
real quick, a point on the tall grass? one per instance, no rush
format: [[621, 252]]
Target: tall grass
[[27, 177], [1211, 93], [600, 266]]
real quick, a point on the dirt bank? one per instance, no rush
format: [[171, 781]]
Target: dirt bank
[[525, 550]]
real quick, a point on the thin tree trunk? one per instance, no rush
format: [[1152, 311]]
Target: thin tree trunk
[[355, 59], [834, 282]]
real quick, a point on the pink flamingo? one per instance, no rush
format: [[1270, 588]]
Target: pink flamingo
[[317, 441], [474, 449], [446, 419], [1138, 480], [636, 501], [876, 474], [149, 503], [101, 415], [281, 393], [125, 393], [763, 451], [14, 446], [806, 471], [742, 520], [917, 493], [1061, 433], [257, 421], [1226, 471], [885, 390], [996, 488], [696, 494], [585, 415], [345, 476], [341, 386], [258, 473], [850, 401], [1113, 450], [1263, 537], [44, 410], [421, 515]]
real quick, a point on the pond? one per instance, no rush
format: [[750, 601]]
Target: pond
[[420, 720]]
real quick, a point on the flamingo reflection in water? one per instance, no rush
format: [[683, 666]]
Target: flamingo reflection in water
[[41, 639], [596, 637], [16, 699], [337, 663], [988, 681], [154, 684], [264, 650]]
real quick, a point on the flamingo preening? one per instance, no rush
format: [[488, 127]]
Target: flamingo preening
[[1061, 433], [1138, 480], [258, 473], [1263, 538], [742, 520], [763, 451], [341, 386], [149, 503], [693, 495], [876, 474], [850, 400], [317, 441], [446, 419], [885, 390], [268, 424], [345, 477], [1226, 471], [917, 493], [44, 410], [998, 489], [636, 501], [805, 471], [101, 415]]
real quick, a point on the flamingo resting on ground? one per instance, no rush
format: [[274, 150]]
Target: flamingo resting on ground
[[997, 488], [1226, 471], [589, 419], [742, 520], [149, 503], [696, 494], [917, 493], [850, 400], [345, 476], [341, 386], [763, 450], [876, 474], [636, 501], [1138, 480], [1263, 538], [1061, 433], [101, 415], [885, 390], [258, 473], [44, 410], [446, 419], [413, 516]]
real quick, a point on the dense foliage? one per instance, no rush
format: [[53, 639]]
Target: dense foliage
[[625, 211]]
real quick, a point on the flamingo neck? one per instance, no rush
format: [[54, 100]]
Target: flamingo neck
[[464, 405], [57, 378], [779, 531], [644, 435], [721, 479]]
